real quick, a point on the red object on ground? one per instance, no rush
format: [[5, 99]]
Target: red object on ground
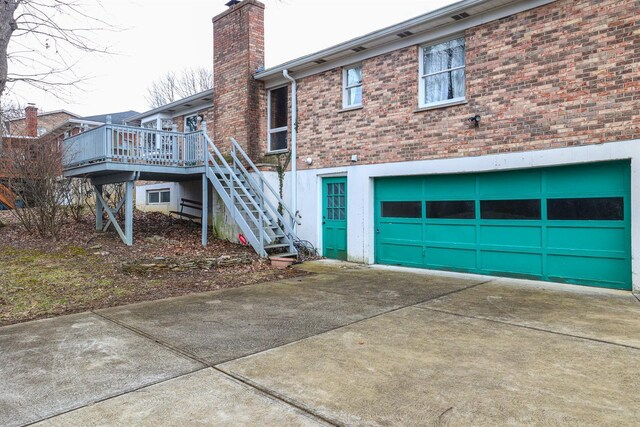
[[243, 239]]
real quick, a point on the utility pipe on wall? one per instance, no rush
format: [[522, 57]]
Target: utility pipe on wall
[[294, 145]]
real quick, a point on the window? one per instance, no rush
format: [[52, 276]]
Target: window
[[352, 86], [597, 208], [442, 73], [510, 209], [278, 118], [402, 209], [155, 197], [458, 209], [166, 124], [336, 201], [153, 124], [191, 123]]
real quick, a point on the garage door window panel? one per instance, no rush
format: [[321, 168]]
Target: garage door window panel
[[402, 209], [527, 209], [586, 209], [458, 209]]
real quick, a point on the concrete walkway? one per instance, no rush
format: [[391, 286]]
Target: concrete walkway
[[349, 345]]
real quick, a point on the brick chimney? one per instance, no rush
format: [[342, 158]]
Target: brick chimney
[[31, 120], [238, 51]]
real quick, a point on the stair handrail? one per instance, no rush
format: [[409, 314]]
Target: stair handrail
[[281, 202], [256, 221], [234, 178], [287, 228]]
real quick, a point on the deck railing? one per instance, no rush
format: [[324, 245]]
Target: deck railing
[[128, 144]]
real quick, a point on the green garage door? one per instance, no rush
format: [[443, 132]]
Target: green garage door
[[565, 224]]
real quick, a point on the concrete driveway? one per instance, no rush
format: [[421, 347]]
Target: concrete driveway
[[348, 345]]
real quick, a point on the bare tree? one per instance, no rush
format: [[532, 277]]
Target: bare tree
[[33, 171], [9, 109], [172, 86], [39, 40]]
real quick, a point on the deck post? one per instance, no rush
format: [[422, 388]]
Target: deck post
[[128, 213], [205, 208], [99, 207]]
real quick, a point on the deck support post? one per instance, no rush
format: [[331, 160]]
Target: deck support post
[[128, 213], [205, 208], [99, 207]]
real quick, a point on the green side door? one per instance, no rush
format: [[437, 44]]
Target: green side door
[[563, 224], [334, 218]]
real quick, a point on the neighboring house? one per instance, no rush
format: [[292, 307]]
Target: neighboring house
[[43, 122], [489, 136], [47, 128]]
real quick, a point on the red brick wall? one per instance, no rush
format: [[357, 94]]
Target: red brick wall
[[560, 75], [238, 51]]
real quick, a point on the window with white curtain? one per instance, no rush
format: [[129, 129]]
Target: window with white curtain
[[442, 73], [352, 86]]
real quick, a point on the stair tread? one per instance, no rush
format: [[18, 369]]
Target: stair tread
[[284, 255], [277, 245]]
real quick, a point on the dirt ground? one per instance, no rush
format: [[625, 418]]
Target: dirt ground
[[86, 270]]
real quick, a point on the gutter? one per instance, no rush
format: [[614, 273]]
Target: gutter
[[294, 145]]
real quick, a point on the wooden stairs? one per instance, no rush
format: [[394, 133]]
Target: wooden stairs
[[7, 197]]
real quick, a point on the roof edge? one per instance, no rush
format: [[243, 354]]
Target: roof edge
[[452, 9]]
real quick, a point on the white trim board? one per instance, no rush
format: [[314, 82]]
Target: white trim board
[[360, 240]]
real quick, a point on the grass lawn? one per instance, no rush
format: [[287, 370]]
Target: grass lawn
[[88, 270]]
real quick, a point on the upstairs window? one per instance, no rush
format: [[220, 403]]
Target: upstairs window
[[278, 103], [191, 123], [352, 86], [442, 73]]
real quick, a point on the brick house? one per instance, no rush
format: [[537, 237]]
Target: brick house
[[494, 137], [44, 122], [489, 136]]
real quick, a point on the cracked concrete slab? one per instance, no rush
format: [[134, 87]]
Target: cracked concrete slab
[[227, 324], [612, 316], [203, 398], [55, 365], [399, 287], [422, 367]]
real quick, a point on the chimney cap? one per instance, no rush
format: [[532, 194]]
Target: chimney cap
[[231, 3]]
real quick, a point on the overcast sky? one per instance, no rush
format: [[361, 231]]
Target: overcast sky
[[168, 35]]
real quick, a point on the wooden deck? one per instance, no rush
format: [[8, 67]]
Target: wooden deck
[[151, 154]]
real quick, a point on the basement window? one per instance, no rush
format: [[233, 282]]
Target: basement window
[[442, 73], [278, 111], [158, 197], [352, 86]]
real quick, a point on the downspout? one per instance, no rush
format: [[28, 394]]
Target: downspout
[[294, 146]]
